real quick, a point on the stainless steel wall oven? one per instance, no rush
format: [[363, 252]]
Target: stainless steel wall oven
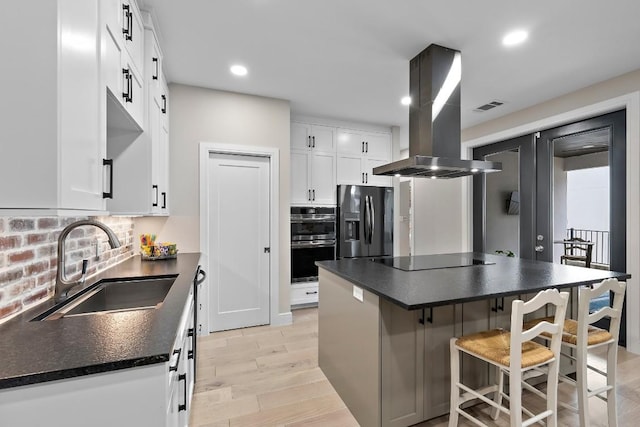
[[313, 238]]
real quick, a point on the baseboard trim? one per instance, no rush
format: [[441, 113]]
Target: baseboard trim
[[282, 319]]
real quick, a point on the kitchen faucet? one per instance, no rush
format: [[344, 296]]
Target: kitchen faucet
[[62, 284]]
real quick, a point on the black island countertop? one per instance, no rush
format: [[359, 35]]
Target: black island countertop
[[443, 286], [38, 351]]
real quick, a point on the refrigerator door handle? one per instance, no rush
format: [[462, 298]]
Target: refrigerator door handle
[[366, 220], [372, 220]]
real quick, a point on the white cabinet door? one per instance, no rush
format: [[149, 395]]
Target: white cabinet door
[[350, 142], [378, 146], [134, 36], [323, 178], [300, 136], [323, 138], [350, 170], [300, 185], [375, 180]]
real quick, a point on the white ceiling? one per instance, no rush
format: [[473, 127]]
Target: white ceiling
[[349, 59]]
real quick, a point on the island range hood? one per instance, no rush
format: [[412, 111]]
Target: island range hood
[[434, 120]]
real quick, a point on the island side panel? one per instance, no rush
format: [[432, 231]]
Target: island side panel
[[349, 346]]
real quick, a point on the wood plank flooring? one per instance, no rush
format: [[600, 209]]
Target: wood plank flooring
[[269, 376]]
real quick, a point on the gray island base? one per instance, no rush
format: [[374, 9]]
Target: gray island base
[[383, 333]]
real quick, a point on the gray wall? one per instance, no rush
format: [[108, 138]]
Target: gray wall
[[205, 115]]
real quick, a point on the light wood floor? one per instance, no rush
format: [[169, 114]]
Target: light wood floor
[[269, 376]]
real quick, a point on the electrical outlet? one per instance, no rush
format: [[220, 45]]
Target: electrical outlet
[[358, 293]]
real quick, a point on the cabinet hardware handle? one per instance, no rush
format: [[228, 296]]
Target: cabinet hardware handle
[[366, 176], [183, 377], [498, 307], [314, 195], [309, 141], [164, 104], [127, 16], [309, 195], [109, 163], [191, 333], [175, 367], [155, 188], [313, 139], [312, 293], [430, 318], [164, 200], [126, 74], [421, 319], [366, 144], [155, 61], [362, 147], [363, 177]]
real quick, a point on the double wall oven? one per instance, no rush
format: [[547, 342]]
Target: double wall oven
[[313, 238]]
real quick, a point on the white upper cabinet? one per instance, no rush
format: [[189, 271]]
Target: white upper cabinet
[[313, 178], [53, 136], [358, 153], [142, 160], [313, 137], [123, 44]]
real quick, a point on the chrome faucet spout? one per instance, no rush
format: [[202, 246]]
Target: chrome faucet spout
[[63, 285]]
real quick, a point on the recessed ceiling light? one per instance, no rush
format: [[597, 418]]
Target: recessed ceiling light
[[474, 170], [434, 168], [589, 146], [397, 175], [434, 177], [239, 70], [406, 100], [515, 37]]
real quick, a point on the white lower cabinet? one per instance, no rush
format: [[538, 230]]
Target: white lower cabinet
[[304, 293]]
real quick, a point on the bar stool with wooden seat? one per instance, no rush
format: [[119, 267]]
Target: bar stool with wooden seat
[[513, 353], [582, 336]]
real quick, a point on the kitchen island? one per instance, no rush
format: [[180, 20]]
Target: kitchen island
[[384, 332]]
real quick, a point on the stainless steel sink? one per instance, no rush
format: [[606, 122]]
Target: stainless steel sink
[[111, 296]]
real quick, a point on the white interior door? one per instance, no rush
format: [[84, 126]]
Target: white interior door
[[239, 233]]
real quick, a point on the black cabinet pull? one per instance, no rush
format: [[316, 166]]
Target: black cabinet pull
[[312, 292], [164, 200], [309, 195], [183, 377], [498, 307], [164, 104], [126, 74], [314, 195], [154, 204], [362, 146], [313, 139], [175, 368], [366, 147], [366, 178], [155, 61], [191, 333], [109, 163], [363, 177], [430, 318], [309, 141], [126, 31]]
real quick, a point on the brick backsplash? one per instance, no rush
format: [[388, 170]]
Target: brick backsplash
[[28, 256]]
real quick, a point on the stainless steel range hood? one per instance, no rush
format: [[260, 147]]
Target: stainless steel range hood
[[434, 120]]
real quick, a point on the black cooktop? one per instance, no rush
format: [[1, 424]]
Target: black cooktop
[[431, 262]]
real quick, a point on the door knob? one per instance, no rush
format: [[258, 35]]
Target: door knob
[[539, 248]]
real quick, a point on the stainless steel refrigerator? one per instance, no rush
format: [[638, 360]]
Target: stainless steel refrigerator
[[364, 221]]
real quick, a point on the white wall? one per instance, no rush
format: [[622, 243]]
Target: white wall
[[205, 115], [607, 96]]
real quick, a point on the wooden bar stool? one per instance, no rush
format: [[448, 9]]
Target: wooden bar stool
[[513, 353], [582, 336]]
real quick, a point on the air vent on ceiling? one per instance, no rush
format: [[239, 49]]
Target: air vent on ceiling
[[489, 106]]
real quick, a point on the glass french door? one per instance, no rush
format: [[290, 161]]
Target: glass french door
[[522, 209]]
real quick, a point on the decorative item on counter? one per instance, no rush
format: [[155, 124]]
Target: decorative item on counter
[[151, 251]]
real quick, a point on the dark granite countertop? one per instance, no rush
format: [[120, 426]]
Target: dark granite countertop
[[429, 288], [33, 352]]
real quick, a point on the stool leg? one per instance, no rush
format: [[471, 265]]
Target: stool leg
[[552, 393], [497, 397], [582, 385], [515, 397], [455, 379], [612, 356]]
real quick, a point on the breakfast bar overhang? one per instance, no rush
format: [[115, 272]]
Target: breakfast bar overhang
[[384, 331]]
